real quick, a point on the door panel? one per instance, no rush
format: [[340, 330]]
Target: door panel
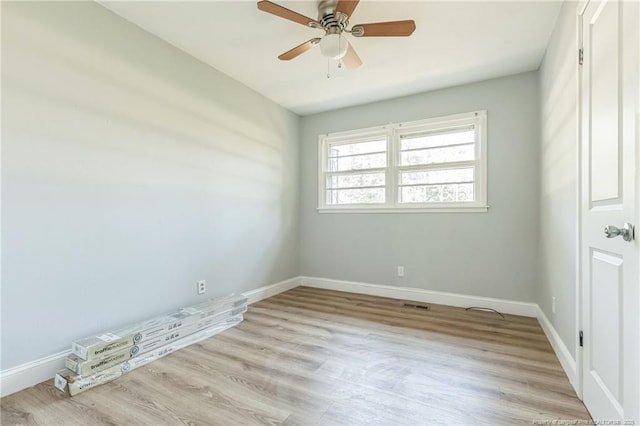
[[603, 47], [606, 294]]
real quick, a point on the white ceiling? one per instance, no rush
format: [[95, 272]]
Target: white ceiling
[[454, 43]]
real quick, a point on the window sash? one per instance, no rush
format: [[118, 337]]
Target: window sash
[[356, 171], [437, 131], [439, 167], [348, 138], [362, 154], [329, 178], [436, 147], [408, 185]]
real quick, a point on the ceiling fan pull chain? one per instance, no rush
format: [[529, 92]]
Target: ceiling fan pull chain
[[340, 42], [328, 68]]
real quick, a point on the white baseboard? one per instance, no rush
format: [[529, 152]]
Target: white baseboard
[[31, 373], [421, 295], [562, 352], [271, 290]]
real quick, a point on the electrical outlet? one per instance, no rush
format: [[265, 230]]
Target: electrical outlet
[[202, 287], [401, 271], [553, 304]]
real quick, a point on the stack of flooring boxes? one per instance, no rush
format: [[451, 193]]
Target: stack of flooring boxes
[[100, 359]]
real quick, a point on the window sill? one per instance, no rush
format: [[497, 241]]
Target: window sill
[[448, 209]]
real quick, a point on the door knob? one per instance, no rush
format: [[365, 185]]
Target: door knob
[[626, 231]]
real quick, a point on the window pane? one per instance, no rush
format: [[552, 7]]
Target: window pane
[[438, 139], [437, 193], [359, 162], [355, 196], [347, 181], [436, 176], [336, 150], [438, 155]]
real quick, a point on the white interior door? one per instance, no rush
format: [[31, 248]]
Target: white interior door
[[609, 131]]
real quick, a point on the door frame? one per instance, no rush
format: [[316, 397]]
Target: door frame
[[580, 9]]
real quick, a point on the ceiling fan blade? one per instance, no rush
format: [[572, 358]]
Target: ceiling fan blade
[[385, 29], [351, 59], [346, 6], [283, 12], [298, 50]]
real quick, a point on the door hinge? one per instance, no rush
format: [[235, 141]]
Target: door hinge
[[580, 56], [581, 339]]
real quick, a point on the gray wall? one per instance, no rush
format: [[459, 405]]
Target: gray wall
[[130, 171], [558, 187], [490, 254]]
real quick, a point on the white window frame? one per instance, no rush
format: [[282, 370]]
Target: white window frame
[[393, 133]]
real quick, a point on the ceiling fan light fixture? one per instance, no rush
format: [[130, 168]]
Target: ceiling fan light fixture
[[333, 46]]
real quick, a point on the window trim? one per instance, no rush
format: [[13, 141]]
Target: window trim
[[393, 133]]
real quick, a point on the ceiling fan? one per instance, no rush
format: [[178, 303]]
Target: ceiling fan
[[333, 18]]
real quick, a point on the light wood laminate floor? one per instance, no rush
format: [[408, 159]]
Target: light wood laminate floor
[[319, 357]]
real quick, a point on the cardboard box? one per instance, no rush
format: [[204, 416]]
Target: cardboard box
[[72, 383], [94, 365], [117, 340]]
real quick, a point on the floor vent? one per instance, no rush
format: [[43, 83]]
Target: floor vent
[[411, 305]]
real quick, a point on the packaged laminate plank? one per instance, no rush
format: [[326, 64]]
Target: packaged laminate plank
[[72, 383], [94, 365], [118, 340]]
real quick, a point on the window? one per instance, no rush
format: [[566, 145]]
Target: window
[[437, 164]]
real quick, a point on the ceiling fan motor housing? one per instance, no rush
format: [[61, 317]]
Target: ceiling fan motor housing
[[330, 21]]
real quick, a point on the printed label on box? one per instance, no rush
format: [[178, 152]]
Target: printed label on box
[[60, 382]]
